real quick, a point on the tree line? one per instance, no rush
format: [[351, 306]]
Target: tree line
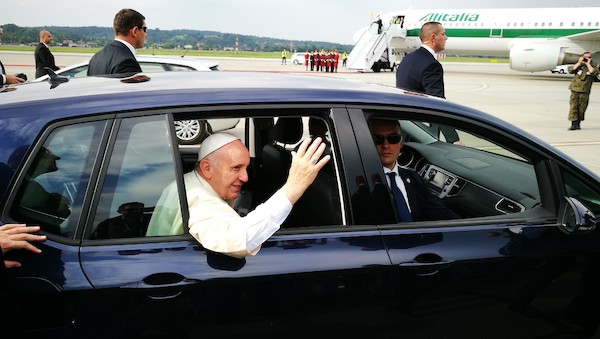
[[178, 38]]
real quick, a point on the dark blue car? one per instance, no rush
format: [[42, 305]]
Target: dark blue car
[[88, 160]]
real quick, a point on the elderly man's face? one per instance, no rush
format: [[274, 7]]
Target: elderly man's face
[[228, 169]]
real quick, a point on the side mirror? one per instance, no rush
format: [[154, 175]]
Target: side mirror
[[575, 217]]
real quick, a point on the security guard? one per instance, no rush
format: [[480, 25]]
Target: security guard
[[581, 85]]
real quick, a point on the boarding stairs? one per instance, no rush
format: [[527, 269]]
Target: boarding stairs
[[371, 46]]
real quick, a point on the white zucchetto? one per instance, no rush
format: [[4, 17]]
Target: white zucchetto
[[214, 142]]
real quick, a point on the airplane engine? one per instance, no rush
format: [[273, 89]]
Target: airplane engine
[[536, 57]]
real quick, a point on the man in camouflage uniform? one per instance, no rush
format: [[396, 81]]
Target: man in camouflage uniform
[[581, 85]]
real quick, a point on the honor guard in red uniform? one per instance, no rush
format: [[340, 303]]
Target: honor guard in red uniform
[[336, 59], [323, 59], [306, 57]]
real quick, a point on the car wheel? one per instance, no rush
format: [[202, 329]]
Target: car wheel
[[189, 131], [296, 62], [562, 71]]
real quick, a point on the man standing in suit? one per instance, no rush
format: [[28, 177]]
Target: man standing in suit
[[420, 71], [43, 56], [118, 57], [414, 202], [7, 79]]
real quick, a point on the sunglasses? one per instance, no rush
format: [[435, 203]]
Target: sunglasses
[[392, 139], [143, 28]]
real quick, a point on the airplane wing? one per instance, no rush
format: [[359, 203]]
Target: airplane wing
[[587, 36]]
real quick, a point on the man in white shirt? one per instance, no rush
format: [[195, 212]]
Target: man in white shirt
[[215, 183]]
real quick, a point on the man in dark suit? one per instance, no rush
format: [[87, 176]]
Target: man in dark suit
[[118, 57], [8, 79], [422, 204], [43, 56], [420, 71]]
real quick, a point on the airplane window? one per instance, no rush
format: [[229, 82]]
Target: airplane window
[[561, 24], [549, 24]]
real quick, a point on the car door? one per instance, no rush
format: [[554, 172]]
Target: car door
[[49, 295], [322, 279], [503, 269]]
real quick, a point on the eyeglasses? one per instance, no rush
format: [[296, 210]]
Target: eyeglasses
[[393, 139], [143, 28]]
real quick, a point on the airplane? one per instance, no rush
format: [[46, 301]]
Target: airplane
[[534, 39]]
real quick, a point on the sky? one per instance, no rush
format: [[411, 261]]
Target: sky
[[332, 21]]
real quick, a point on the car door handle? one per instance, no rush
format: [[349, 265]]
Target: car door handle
[[163, 285], [438, 265], [426, 264]]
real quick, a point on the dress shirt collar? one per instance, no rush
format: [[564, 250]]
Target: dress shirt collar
[[394, 169], [130, 46], [430, 51]]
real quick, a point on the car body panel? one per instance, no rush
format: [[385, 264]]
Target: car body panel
[[297, 58]]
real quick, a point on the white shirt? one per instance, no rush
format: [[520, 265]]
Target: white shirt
[[130, 46], [399, 183], [3, 82], [430, 51], [214, 222]]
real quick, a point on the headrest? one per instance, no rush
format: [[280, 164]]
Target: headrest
[[288, 130]]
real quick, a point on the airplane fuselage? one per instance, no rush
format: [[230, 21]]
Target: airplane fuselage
[[535, 38]]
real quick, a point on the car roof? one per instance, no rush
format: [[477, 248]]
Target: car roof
[[282, 88]]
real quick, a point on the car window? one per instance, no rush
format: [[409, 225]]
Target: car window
[[152, 67], [141, 166], [77, 72], [575, 187], [179, 68], [52, 193], [271, 139], [474, 176]]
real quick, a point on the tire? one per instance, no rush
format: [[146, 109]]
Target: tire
[[562, 71], [296, 62], [189, 132]]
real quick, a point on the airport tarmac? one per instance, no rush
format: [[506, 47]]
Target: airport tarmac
[[535, 102]]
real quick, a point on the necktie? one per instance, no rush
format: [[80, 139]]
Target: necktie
[[403, 212]]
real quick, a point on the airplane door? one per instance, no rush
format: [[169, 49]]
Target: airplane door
[[496, 32]]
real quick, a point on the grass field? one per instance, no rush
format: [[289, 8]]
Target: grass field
[[219, 54]]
